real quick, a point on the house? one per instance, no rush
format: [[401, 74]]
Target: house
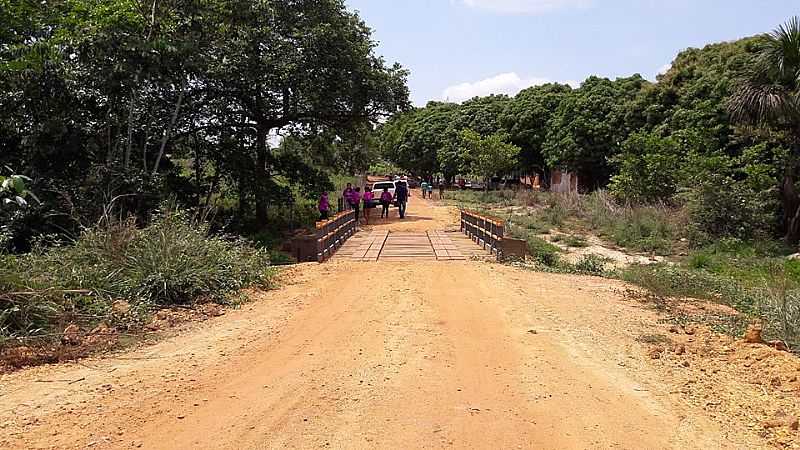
[[563, 182]]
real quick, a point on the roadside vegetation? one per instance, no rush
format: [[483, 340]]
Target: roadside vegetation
[[117, 275], [759, 277]]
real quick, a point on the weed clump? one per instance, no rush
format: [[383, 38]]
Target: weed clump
[[172, 261]]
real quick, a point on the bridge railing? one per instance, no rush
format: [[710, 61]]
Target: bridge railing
[[332, 234], [486, 231]]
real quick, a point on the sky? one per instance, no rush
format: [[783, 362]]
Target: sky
[[457, 49]]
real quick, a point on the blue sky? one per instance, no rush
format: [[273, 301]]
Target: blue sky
[[459, 48]]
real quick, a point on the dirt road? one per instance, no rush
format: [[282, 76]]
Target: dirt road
[[380, 355]]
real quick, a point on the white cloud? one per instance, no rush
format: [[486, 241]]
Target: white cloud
[[505, 83], [526, 6], [661, 71]]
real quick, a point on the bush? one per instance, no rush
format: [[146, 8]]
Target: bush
[[646, 229], [543, 251], [647, 166], [570, 240], [591, 265], [175, 262], [724, 200], [172, 261], [728, 209]]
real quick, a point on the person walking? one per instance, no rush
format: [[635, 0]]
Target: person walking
[[324, 207], [346, 194], [386, 200], [441, 189], [429, 187], [401, 197], [368, 205], [424, 187], [355, 201]]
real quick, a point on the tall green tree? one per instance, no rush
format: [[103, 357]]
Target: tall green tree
[[589, 126], [126, 102], [769, 97], [487, 156], [526, 120], [306, 65], [421, 141]]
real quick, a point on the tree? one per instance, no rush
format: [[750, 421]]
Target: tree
[[647, 168], [304, 65], [488, 156], [131, 101], [526, 120], [420, 140], [589, 125], [769, 97]]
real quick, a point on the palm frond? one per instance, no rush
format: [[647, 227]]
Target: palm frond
[[782, 52], [770, 93], [758, 102]]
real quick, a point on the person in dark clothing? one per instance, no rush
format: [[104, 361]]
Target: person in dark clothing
[[401, 197], [441, 189]]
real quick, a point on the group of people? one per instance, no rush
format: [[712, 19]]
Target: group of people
[[427, 189], [354, 199]]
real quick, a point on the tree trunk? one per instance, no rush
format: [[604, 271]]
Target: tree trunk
[[212, 188], [168, 131], [131, 111], [261, 176], [198, 173], [791, 206]]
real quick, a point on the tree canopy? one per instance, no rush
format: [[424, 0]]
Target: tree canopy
[[127, 101], [725, 114]]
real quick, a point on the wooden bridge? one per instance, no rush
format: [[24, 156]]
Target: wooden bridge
[[338, 238], [404, 246]]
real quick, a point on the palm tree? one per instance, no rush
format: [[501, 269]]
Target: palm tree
[[769, 97]]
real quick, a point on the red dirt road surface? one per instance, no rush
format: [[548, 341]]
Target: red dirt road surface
[[461, 354]]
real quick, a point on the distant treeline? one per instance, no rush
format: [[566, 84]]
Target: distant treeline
[[718, 133]]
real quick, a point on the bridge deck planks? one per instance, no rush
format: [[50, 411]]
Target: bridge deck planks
[[429, 246]]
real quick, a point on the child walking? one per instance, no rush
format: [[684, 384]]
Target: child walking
[[347, 194], [368, 205], [386, 200], [355, 201], [324, 207]]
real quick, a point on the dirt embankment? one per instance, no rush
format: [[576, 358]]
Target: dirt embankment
[[418, 355]]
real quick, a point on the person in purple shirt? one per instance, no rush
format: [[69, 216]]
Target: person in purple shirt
[[348, 192], [324, 206], [355, 201], [368, 204]]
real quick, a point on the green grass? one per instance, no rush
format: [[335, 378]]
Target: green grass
[[649, 229], [173, 261], [756, 278], [750, 263], [570, 240], [768, 289], [543, 251]]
